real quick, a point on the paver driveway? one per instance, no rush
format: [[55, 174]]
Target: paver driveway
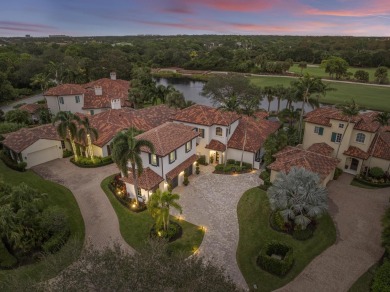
[[357, 213], [101, 222], [211, 200]]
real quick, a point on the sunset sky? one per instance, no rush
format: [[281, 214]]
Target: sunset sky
[[132, 17]]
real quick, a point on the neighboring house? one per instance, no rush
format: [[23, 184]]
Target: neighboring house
[[175, 154], [327, 125], [34, 145], [90, 98], [34, 110], [222, 133], [316, 159]]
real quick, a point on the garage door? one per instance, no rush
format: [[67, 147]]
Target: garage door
[[42, 156]]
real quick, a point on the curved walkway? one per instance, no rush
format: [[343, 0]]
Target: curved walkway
[[357, 215], [210, 200], [101, 222]]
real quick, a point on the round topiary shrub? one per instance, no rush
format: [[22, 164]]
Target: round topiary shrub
[[173, 233], [276, 258], [377, 172]]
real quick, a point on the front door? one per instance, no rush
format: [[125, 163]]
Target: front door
[[217, 157], [354, 164]]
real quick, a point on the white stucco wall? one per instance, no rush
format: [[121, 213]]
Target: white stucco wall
[[52, 104], [69, 104], [236, 155]]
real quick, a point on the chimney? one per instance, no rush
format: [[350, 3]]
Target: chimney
[[113, 75], [116, 103], [98, 90]]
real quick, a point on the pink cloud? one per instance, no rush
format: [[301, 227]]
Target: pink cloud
[[15, 24]]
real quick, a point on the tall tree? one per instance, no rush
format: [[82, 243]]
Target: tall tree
[[159, 205], [349, 110], [269, 93], [127, 148], [67, 125], [381, 75], [88, 134], [384, 120], [304, 87], [335, 66]]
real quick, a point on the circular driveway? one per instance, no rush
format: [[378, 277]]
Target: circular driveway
[[210, 200]]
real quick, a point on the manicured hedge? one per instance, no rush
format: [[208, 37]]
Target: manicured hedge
[[368, 183], [381, 281], [7, 260], [377, 172], [21, 166], [87, 163], [273, 265]]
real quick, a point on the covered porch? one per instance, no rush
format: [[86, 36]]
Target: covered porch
[[354, 160], [217, 152]]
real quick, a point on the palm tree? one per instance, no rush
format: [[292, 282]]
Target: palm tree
[[159, 205], [304, 88], [383, 120], [175, 99], [125, 147], [42, 80], [298, 196], [349, 110], [269, 93], [67, 126], [87, 134]]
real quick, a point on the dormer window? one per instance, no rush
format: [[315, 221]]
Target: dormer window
[[360, 137], [218, 131], [153, 159]]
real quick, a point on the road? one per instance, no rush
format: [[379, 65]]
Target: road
[[30, 99]]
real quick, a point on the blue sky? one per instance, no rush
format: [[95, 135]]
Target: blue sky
[[131, 17]]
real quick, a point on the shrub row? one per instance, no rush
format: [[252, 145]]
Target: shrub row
[[381, 282], [7, 260], [54, 243], [21, 166], [87, 162], [267, 260], [372, 184]]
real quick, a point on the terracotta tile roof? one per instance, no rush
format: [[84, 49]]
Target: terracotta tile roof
[[216, 145], [110, 122], [356, 152], [258, 130], [205, 115], [148, 179], [23, 138], [32, 108], [168, 137], [294, 157], [110, 89], [363, 122], [182, 166], [382, 147], [321, 148], [65, 89]]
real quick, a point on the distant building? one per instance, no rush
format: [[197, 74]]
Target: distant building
[[28, 36]]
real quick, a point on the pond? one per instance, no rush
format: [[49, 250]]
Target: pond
[[192, 91]]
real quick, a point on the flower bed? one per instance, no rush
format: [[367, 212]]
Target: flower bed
[[233, 167], [276, 258], [173, 233], [88, 163], [376, 177]]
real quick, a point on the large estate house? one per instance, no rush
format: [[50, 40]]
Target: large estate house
[[90, 98]]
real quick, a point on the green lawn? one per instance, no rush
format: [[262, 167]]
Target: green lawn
[[370, 97], [253, 217], [135, 227], [318, 71], [363, 284], [57, 195]]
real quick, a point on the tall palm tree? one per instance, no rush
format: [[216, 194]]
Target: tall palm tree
[[280, 92], [125, 148], [304, 88], [159, 206], [349, 110], [383, 120], [269, 93], [87, 134], [67, 126]]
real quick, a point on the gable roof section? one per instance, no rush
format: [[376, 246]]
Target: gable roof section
[[182, 166], [294, 157], [356, 152], [205, 115], [168, 137], [25, 137], [363, 122], [258, 130], [381, 149], [147, 180], [110, 122], [65, 89], [321, 148], [216, 145]]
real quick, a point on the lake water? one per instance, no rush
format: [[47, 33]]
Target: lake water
[[192, 91]]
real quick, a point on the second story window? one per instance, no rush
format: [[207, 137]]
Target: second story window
[[336, 137], [341, 126], [188, 146], [153, 160], [61, 100], [172, 157], [201, 131], [360, 137], [319, 130], [218, 131], [77, 98]]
